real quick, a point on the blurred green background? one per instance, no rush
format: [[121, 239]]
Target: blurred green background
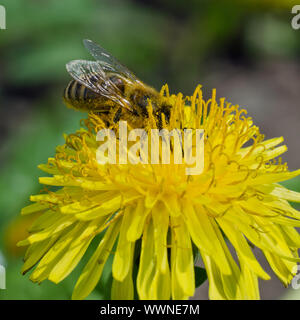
[[247, 50]]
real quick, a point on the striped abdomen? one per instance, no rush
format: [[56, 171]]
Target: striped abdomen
[[78, 96], [77, 92]]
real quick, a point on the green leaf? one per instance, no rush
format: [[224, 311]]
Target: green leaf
[[200, 276]]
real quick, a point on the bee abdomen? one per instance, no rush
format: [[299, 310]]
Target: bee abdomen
[[75, 91]]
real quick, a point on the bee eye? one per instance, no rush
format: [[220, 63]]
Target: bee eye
[[144, 101]]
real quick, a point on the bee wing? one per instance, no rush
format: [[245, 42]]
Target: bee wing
[[92, 75], [107, 61]]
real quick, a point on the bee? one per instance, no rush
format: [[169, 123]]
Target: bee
[[107, 87]]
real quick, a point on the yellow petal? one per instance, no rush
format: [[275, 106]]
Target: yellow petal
[[86, 204], [35, 252], [104, 209], [123, 290], [265, 178], [284, 193], [56, 227], [153, 280], [122, 261], [172, 204], [215, 290], [282, 268], [249, 282], [74, 253], [241, 246], [138, 217], [52, 257], [204, 235], [183, 261], [33, 208], [147, 263], [160, 218], [93, 269]]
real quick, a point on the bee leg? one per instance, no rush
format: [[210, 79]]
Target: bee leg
[[118, 115], [135, 112]]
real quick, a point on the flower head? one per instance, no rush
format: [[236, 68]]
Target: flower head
[[156, 217]]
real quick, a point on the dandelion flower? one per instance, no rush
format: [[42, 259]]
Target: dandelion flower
[[157, 218]]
